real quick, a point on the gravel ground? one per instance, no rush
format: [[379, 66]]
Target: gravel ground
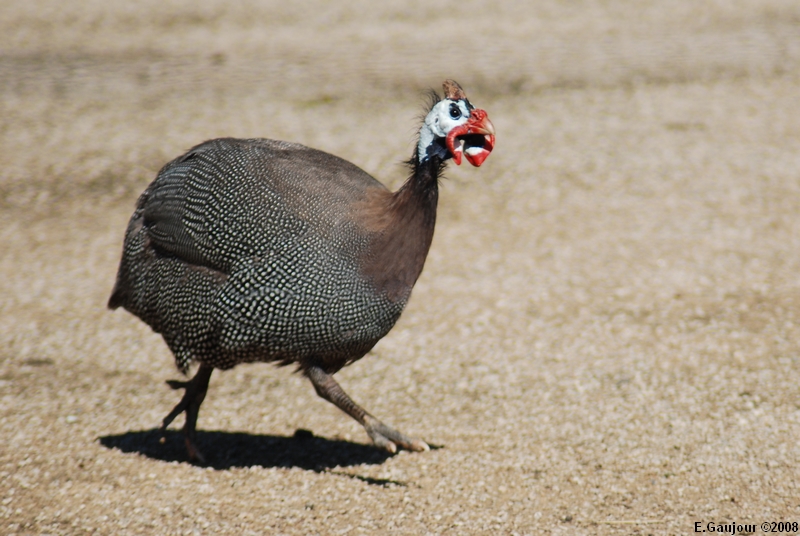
[[605, 336]]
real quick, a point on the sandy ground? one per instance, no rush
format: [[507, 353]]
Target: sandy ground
[[605, 337]]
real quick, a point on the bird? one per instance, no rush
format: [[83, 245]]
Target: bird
[[256, 250]]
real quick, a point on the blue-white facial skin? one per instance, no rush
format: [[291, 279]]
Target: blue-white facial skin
[[443, 117]]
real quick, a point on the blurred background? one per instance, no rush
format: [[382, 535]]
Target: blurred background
[[605, 337], [93, 81]]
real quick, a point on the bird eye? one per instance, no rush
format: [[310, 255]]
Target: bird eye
[[455, 112]]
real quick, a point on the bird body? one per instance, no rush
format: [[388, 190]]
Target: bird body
[[247, 250], [234, 259]]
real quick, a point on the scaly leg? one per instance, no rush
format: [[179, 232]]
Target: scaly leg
[[190, 403], [383, 436]]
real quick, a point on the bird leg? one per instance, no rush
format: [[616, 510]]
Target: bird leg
[[190, 403], [383, 436]]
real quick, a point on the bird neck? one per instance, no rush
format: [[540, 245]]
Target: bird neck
[[408, 217], [420, 192]]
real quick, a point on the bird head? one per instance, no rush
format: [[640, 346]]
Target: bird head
[[454, 127]]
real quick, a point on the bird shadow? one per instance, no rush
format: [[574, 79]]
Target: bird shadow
[[227, 450]]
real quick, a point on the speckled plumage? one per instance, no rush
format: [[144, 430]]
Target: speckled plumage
[[234, 257]]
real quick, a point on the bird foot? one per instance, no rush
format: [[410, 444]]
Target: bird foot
[[190, 404], [389, 439], [181, 406]]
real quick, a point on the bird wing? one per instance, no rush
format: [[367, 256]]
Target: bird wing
[[228, 200], [176, 216]]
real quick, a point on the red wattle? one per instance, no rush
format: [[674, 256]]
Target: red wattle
[[480, 124], [452, 142], [478, 159]]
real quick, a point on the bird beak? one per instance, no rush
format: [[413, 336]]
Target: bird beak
[[474, 139]]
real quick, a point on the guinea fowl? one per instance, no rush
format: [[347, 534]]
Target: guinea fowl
[[246, 250]]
